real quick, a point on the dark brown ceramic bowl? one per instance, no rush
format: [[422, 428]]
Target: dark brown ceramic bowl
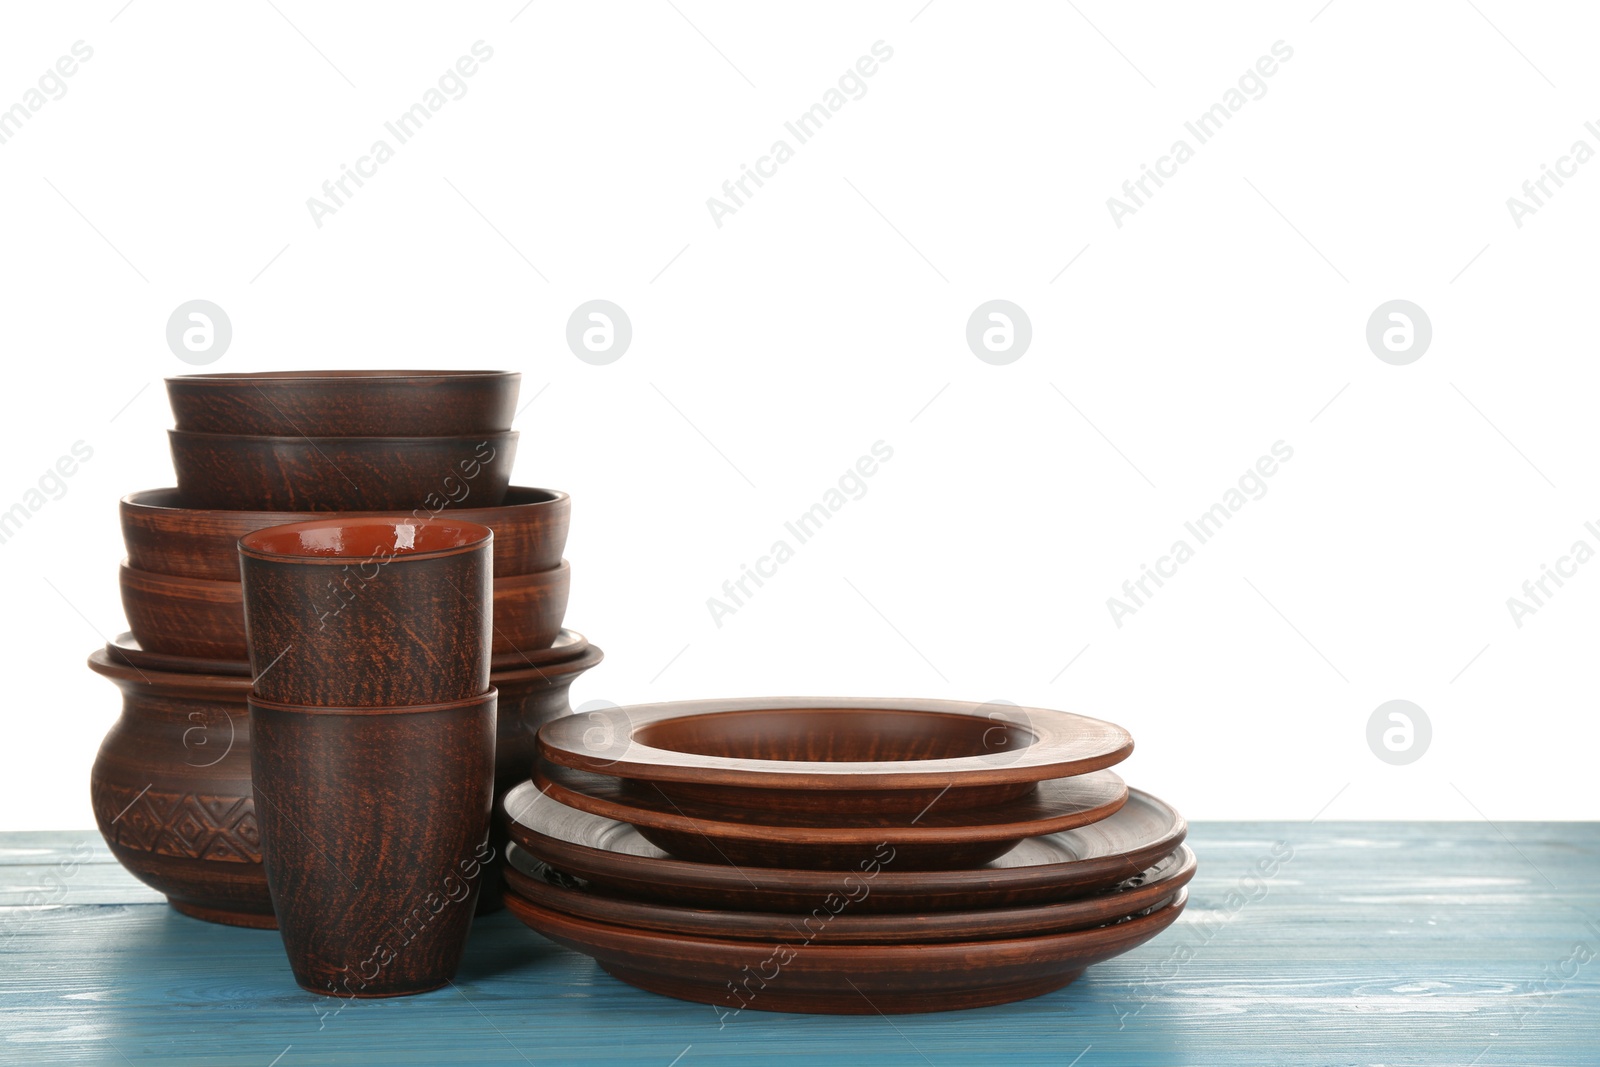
[[347, 403], [844, 979], [202, 620], [219, 470], [834, 923], [837, 754], [171, 792], [934, 839], [375, 837], [126, 649], [368, 612], [163, 536], [182, 616]]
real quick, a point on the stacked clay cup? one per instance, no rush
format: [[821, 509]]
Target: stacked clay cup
[[373, 729], [171, 787]]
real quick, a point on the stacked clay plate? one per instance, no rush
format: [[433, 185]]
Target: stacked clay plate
[[845, 856]]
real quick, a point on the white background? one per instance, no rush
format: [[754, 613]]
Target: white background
[[829, 313]]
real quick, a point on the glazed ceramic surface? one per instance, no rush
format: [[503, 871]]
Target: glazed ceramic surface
[[344, 403], [834, 922], [171, 793], [368, 611], [847, 754], [617, 859], [375, 838], [293, 473], [931, 839], [792, 975], [163, 536]]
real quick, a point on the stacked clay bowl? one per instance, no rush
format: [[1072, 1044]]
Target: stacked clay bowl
[[171, 786], [842, 856]]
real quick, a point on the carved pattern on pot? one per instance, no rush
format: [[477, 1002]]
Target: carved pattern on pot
[[191, 826]]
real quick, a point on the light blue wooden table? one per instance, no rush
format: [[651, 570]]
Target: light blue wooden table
[[1376, 943]]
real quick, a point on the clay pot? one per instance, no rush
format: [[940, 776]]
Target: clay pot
[[163, 536], [368, 612], [341, 403], [171, 792], [375, 837], [224, 470], [193, 835]]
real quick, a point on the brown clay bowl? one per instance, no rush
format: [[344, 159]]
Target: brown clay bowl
[[222, 470], [126, 649], [538, 883], [198, 623], [171, 793], [164, 536], [182, 616], [618, 860], [793, 976], [827, 755], [347, 403], [374, 837], [934, 839], [368, 612]]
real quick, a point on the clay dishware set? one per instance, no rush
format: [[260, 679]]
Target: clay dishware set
[[841, 856], [345, 697], [172, 787]]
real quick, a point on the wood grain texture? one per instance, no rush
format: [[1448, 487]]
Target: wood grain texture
[[1430, 943], [426, 403]]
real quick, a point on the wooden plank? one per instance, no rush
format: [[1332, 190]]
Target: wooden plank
[[1396, 943]]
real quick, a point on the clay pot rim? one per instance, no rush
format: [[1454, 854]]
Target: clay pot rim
[[341, 442], [1064, 744], [549, 574], [587, 657], [134, 502], [101, 662], [336, 376], [477, 537], [199, 585], [488, 696]]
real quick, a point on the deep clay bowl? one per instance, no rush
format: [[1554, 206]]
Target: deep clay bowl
[[224, 470], [844, 979], [347, 403], [185, 734], [368, 612], [165, 536], [826, 755], [374, 837], [203, 619]]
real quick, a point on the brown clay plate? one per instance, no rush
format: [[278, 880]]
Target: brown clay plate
[[125, 648], [930, 839], [791, 975], [616, 858], [834, 922]]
